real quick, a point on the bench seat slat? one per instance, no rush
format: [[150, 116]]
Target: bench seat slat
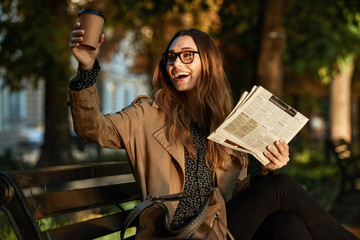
[[90, 229], [52, 175], [57, 203]]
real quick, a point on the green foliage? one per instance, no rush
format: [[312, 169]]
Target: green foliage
[[32, 43], [241, 24], [6, 230], [318, 32]]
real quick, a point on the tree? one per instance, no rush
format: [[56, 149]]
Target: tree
[[34, 44], [239, 39], [323, 42], [340, 100], [34, 47], [253, 41], [272, 44], [155, 22]]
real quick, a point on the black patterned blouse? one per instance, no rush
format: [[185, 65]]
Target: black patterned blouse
[[197, 174]]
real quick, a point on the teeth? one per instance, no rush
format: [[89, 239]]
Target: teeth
[[181, 74]]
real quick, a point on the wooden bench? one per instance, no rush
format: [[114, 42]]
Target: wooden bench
[[66, 194], [348, 164]]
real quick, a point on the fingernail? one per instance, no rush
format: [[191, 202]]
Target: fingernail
[[269, 147]]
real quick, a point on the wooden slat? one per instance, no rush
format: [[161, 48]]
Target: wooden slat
[[61, 174], [58, 203], [90, 229], [84, 183]]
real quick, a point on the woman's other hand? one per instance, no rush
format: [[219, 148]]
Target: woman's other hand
[[278, 157], [85, 57]]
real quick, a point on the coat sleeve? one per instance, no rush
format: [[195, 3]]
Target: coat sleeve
[[107, 130]]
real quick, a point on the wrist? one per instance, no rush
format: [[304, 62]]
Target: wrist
[[264, 171], [87, 66]]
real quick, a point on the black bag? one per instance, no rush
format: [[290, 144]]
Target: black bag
[[154, 223]]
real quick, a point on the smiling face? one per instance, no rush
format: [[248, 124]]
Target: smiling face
[[184, 76]]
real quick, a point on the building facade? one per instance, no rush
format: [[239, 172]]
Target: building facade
[[22, 113]]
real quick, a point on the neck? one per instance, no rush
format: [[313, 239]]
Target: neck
[[193, 105], [194, 110]]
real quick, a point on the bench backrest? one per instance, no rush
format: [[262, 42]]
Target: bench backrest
[[65, 194]]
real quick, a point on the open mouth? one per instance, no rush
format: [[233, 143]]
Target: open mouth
[[181, 75]]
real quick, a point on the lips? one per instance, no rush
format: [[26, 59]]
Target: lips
[[180, 75]]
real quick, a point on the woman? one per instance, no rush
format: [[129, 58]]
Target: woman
[[164, 136]]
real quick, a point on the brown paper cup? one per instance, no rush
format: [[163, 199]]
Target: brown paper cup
[[92, 22]]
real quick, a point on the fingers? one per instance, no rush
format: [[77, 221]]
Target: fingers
[[76, 36], [283, 147], [77, 32], [278, 156], [77, 25], [75, 41]]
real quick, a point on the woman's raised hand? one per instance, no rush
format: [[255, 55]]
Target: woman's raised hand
[[278, 157], [86, 57]]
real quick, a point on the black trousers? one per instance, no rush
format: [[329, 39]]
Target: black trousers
[[279, 208]]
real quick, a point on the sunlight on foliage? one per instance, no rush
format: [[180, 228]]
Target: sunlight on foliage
[[324, 75], [6, 230]]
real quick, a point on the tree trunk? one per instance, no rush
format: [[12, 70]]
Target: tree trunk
[[57, 140], [340, 102], [56, 149], [269, 66]]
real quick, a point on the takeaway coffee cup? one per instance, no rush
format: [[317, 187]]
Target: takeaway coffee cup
[[92, 22]]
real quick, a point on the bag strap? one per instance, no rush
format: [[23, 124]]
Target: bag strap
[[182, 195], [189, 229], [185, 232], [133, 214]]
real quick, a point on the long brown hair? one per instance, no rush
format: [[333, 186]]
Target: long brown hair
[[213, 97]]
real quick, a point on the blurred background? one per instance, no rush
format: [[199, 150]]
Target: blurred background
[[305, 52]]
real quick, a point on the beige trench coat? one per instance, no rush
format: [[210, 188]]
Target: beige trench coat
[[158, 165]]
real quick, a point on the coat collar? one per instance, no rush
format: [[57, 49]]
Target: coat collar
[[175, 150]]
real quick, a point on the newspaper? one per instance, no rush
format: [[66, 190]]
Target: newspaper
[[257, 121]]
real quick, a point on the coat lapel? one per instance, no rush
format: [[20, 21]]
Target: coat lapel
[[175, 150]]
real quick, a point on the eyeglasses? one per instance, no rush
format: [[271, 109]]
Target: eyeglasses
[[186, 57]]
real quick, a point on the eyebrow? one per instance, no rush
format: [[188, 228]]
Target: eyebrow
[[182, 49]]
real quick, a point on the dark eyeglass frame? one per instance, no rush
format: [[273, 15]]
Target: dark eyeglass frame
[[166, 60]]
